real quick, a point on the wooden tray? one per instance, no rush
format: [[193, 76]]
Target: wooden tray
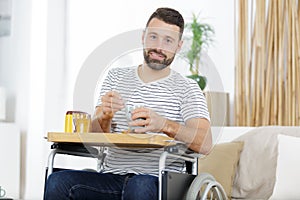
[[113, 139]]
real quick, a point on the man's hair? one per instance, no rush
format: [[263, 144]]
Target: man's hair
[[169, 16]]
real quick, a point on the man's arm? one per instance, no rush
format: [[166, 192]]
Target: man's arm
[[101, 121], [195, 133]]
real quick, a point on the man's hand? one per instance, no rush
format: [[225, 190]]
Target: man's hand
[[152, 121], [111, 102], [195, 133]]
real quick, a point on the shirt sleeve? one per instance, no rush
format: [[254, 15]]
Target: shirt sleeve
[[194, 103]]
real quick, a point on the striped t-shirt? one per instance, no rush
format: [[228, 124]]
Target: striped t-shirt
[[174, 97]]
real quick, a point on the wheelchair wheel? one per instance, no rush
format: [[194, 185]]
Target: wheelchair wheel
[[204, 187]]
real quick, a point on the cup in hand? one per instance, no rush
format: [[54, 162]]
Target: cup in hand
[[128, 109]]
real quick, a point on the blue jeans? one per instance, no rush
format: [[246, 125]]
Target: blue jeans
[[72, 184]]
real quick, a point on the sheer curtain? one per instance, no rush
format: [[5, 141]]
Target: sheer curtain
[[267, 65]]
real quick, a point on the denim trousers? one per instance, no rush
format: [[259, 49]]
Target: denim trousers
[[75, 184]]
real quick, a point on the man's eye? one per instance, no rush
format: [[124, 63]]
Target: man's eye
[[169, 41], [152, 37]]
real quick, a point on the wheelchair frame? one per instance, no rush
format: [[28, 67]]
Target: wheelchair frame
[[211, 186]]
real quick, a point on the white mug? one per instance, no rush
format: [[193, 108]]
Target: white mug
[[2, 192], [128, 109]]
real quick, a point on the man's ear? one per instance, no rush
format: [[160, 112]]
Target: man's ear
[[179, 46]]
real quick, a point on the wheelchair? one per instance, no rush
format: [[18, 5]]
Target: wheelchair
[[172, 185]]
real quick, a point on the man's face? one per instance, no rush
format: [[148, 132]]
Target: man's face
[[161, 42]]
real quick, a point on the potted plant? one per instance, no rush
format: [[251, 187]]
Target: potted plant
[[200, 37]]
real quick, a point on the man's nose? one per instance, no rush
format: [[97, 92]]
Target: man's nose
[[159, 44]]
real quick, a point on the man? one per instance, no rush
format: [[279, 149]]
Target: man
[[172, 105]]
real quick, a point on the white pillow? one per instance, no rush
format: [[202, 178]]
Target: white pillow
[[288, 168]]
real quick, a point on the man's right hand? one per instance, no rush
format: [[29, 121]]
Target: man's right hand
[[111, 102]]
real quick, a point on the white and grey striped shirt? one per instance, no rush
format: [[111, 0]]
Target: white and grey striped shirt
[[174, 97]]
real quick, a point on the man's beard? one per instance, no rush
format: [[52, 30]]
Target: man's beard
[[157, 64]]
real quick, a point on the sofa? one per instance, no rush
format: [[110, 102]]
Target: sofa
[[256, 162]]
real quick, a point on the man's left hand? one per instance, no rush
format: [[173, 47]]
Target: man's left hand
[[152, 121]]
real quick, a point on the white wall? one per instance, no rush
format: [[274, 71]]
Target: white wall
[[48, 80], [14, 70], [32, 71]]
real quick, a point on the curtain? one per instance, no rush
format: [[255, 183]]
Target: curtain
[[267, 62]]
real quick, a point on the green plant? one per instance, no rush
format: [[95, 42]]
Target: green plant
[[201, 37]]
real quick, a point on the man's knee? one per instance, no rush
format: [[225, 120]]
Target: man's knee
[[57, 185], [142, 187]]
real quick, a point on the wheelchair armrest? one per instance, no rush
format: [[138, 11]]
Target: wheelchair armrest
[[179, 148]]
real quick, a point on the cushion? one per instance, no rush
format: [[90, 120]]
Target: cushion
[[288, 166], [256, 172], [221, 163]]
